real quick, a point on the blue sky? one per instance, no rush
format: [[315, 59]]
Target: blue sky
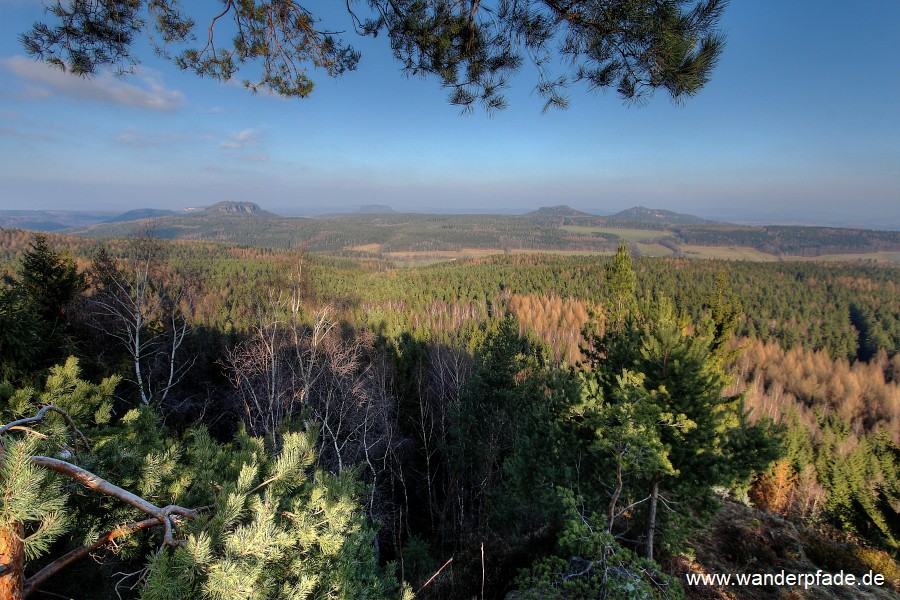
[[801, 120]]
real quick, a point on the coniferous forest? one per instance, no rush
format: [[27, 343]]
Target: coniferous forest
[[224, 403], [200, 420]]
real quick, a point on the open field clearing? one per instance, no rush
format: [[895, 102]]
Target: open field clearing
[[423, 258], [653, 250], [430, 257], [727, 253], [372, 248], [631, 235]]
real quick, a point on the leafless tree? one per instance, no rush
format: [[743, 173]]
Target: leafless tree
[[448, 367], [259, 372], [289, 367], [136, 303]]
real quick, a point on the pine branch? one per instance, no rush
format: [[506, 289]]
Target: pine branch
[[98, 484]]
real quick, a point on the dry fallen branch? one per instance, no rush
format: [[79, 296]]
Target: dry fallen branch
[[438, 572]]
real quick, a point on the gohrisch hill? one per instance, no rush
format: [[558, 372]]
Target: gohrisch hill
[[139, 214], [560, 210], [642, 214]]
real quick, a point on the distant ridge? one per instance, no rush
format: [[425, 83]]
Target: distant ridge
[[656, 216], [370, 209], [237, 208], [666, 233], [140, 213], [50, 220], [560, 210]]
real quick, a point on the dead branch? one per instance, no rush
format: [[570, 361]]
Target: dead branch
[[450, 560], [36, 580], [37, 418], [29, 430]]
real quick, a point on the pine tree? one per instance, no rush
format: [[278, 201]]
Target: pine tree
[[233, 520], [621, 288], [697, 437], [588, 562], [32, 310], [49, 280], [634, 47]]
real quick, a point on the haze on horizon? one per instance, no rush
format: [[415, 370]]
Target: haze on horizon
[[799, 123]]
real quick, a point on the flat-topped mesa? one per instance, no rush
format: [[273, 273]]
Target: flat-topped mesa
[[236, 208]]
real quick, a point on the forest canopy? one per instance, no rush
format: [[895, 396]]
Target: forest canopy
[[263, 429]]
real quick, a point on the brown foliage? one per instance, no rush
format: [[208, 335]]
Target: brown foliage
[[778, 382], [555, 320], [774, 491]]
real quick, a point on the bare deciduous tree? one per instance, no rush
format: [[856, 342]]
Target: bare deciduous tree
[[148, 312], [288, 368], [258, 370]]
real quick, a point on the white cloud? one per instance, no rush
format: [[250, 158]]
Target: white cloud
[[245, 146], [135, 139], [242, 139], [143, 139], [44, 81], [12, 132]]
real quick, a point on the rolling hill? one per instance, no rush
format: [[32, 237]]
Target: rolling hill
[[655, 216], [405, 238], [560, 210], [140, 214]]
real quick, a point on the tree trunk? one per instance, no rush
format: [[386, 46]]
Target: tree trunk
[[651, 517], [12, 561], [619, 485]]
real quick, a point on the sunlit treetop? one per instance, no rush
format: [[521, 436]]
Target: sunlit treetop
[[471, 47]]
